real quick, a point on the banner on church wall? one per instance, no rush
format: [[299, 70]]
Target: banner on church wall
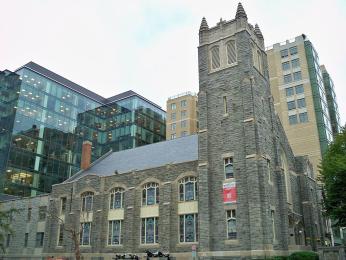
[[229, 192]]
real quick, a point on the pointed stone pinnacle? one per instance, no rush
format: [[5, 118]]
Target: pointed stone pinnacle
[[204, 25], [258, 31], [240, 12]]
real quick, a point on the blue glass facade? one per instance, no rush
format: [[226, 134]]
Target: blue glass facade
[[45, 118]]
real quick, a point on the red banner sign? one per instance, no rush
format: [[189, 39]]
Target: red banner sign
[[229, 192]]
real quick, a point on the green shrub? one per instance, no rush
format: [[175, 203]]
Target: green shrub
[[304, 255]]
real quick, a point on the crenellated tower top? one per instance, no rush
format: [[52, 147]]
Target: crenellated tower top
[[226, 28]]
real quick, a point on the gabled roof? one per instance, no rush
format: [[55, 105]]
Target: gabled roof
[[175, 151]]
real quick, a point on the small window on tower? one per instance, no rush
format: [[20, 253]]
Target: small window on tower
[[231, 224], [259, 57], [215, 57], [228, 168], [225, 109], [254, 55]]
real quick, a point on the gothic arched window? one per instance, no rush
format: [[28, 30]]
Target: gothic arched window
[[188, 189], [116, 198], [87, 201], [150, 194]]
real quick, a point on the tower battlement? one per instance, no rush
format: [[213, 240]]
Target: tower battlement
[[224, 29]]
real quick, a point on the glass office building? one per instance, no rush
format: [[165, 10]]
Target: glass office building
[[331, 100], [319, 97], [45, 118]]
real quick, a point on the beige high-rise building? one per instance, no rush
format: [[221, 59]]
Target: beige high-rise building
[[299, 97], [182, 115]]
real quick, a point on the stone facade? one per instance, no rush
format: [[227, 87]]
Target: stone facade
[[276, 210]]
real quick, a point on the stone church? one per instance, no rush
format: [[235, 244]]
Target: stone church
[[234, 191]]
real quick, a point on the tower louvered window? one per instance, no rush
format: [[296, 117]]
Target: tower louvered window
[[254, 55], [231, 52], [215, 57], [259, 56]]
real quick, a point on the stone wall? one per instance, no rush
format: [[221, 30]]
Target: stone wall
[[24, 222], [167, 177]]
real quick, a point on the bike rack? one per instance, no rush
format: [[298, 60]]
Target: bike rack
[[129, 256], [156, 254]]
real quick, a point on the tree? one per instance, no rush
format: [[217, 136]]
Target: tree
[[71, 230], [333, 172], [5, 225]]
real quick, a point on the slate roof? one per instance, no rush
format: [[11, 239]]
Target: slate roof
[[175, 151]]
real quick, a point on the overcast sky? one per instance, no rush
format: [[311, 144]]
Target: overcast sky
[[150, 46]]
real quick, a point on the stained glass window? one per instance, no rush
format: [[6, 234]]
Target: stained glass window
[[117, 198], [188, 189], [188, 228], [149, 231], [150, 194], [85, 233], [114, 232]]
